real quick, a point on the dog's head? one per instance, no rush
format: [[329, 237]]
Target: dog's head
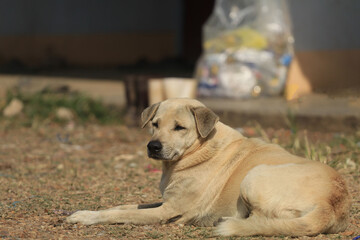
[[175, 125]]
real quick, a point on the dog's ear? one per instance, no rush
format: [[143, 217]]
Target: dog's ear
[[148, 114], [205, 120]]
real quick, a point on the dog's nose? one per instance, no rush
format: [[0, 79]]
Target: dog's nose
[[154, 146]]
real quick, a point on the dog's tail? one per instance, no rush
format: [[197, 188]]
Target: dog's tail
[[319, 220]]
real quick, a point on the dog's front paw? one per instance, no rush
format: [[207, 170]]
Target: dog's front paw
[[226, 226], [84, 217]]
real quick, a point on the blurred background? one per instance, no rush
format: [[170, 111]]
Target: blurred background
[[110, 49], [75, 76]]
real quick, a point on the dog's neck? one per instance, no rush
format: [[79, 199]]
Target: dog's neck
[[201, 152], [204, 149]]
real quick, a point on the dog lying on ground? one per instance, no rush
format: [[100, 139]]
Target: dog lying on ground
[[212, 175]]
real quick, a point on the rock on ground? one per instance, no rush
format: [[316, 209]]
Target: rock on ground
[[14, 108], [64, 114]]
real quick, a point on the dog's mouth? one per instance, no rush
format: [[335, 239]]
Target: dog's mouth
[[156, 150], [161, 157], [155, 156]]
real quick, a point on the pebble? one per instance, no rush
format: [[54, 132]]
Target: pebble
[[14, 108], [132, 165], [351, 164], [64, 114], [240, 130], [140, 153], [60, 166], [119, 166]]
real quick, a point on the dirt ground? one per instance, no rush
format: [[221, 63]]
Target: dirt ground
[[49, 171]]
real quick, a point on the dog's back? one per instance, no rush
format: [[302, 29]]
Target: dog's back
[[287, 195]]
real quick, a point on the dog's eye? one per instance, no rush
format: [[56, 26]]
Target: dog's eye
[[155, 124], [178, 128]]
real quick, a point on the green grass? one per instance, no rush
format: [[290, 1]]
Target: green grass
[[41, 107], [337, 150]]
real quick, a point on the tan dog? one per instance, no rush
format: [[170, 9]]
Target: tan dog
[[212, 172]]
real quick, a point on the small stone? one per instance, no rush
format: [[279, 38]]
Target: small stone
[[240, 130], [140, 153], [14, 108], [63, 113], [60, 166], [132, 165], [119, 166], [350, 164]]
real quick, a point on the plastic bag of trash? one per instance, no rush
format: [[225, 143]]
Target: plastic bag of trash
[[247, 49]]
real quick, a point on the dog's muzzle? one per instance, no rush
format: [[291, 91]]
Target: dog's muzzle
[[154, 149]]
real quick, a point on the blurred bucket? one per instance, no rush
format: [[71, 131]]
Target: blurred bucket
[[161, 89], [156, 90]]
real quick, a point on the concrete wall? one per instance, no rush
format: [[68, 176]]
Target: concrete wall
[[325, 24], [19, 17], [108, 29], [320, 24], [94, 22]]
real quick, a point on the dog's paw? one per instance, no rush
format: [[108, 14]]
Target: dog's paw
[[226, 226], [84, 217]]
